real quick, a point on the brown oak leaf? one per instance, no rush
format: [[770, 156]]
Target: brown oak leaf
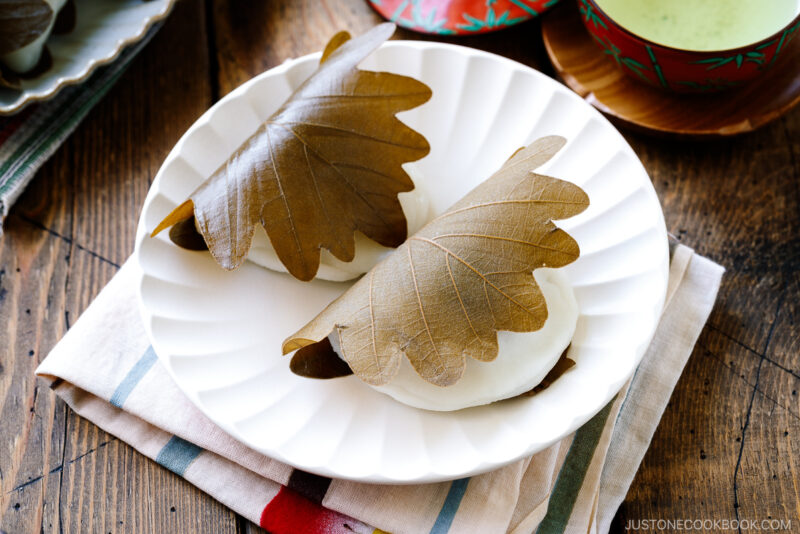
[[443, 295], [326, 164]]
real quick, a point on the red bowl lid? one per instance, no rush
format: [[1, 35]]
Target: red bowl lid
[[459, 17]]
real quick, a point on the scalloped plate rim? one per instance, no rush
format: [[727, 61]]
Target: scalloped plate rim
[[380, 477]]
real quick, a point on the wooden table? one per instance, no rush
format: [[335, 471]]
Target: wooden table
[[727, 447]]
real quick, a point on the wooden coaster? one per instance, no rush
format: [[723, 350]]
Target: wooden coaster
[[584, 67]]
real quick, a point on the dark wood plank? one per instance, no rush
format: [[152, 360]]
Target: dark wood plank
[[109, 487], [32, 421], [767, 478], [64, 240], [250, 41], [770, 464], [688, 473], [728, 199], [737, 202], [785, 346]]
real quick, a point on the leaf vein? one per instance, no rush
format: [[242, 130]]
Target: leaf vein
[[348, 132], [358, 193], [510, 240], [419, 303], [289, 216], [372, 321], [473, 269], [322, 204], [504, 202], [460, 300]]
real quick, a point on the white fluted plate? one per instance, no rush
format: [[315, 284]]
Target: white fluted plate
[[219, 334], [102, 30]]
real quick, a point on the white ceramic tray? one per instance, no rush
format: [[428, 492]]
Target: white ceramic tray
[[103, 29], [219, 334]]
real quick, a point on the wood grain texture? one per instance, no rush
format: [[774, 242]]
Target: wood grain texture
[[726, 447], [736, 201], [692, 476], [251, 40], [64, 240]]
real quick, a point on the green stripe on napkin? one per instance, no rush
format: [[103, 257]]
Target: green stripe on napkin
[[570, 478]]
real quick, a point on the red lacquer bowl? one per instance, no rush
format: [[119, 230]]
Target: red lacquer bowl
[[685, 71], [459, 17]]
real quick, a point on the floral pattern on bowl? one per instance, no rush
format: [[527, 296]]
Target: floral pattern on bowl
[[683, 70], [459, 17]]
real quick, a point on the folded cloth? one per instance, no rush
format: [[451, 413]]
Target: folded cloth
[[30, 137], [106, 371]]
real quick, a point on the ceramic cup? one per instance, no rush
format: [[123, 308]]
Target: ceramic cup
[[459, 17], [685, 70]]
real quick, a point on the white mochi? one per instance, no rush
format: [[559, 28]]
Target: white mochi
[[368, 253], [523, 360], [26, 58]]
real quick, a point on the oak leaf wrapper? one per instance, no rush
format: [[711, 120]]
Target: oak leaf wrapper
[[443, 295], [22, 22], [326, 164]]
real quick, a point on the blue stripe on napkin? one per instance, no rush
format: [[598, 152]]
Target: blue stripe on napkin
[[450, 506], [177, 454], [133, 377]]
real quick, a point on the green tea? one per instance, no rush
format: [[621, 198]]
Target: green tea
[[702, 24]]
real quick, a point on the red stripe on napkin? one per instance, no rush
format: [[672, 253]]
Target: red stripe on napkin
[[291, 513]]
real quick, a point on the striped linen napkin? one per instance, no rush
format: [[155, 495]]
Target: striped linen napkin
[[106, 371], [30, 137]]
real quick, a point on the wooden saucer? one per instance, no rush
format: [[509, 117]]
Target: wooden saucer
[[582, 65]]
